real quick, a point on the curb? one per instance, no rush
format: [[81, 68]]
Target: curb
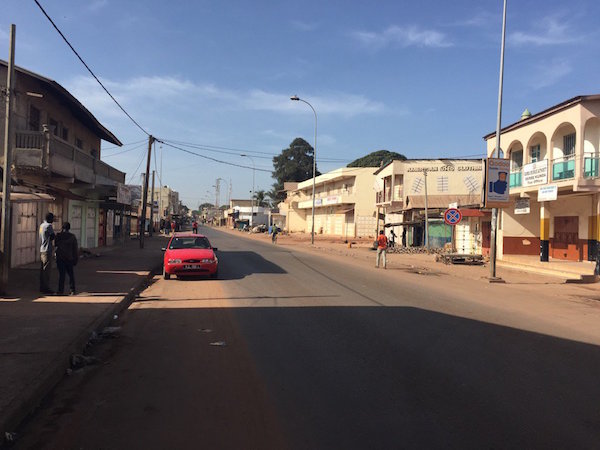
[[54, 373]]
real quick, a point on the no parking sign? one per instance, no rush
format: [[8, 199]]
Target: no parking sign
[[452, 216]]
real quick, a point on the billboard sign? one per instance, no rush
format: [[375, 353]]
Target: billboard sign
[[535, 173], [496, 186]]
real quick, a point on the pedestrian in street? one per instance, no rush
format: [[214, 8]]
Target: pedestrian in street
[[195, 227], [67, 255], [47, 235], [173, 225], [382, 245], [392, 238]]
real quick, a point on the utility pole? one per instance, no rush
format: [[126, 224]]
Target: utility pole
[[151, 207], [496, 153], [426, 213], [145, 194], [6, 176]]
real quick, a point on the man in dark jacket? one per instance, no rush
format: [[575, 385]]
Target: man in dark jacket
[[67, 255]]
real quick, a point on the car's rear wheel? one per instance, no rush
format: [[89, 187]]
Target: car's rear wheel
[[166, 275]]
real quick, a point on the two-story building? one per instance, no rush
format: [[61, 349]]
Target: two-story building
[[57, 166], [343, 204], [404, 188], [554, 182]]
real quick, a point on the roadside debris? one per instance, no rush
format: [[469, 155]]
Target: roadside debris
[[219, 344], [78, 361], [10, 436], [110, 332]]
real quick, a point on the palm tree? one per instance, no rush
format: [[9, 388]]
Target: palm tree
[[261, 198]]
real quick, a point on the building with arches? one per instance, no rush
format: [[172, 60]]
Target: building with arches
[[554, 182]]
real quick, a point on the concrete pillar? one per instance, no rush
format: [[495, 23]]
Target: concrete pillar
[[544, 232], [593, 228]]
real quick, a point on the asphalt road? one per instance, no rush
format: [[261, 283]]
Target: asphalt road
[[322, 353]]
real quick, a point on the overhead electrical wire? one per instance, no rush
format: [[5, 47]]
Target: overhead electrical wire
[[88, 68], [116, 147], [237, 151], [124, 151], [212, 159], [132, 176]]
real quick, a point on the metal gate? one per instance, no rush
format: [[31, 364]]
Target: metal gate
[[90, 228], [25, 232]]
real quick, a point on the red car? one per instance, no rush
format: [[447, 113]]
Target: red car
[[190, 254]]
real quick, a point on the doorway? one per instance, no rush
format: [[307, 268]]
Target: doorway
[[565, 244]]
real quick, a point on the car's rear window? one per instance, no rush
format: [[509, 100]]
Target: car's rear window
[[189, 242]]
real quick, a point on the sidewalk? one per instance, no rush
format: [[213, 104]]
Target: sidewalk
[[39, 333], [519, 272]]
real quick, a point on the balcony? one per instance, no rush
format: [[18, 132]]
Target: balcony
[[387, 196], [516, 178], [563, 168], [50, 155], [590, 165]]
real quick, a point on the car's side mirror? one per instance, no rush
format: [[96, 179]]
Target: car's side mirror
[[164, 249], [215, 249]]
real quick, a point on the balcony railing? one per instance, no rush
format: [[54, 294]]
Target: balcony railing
[[31, 150], [516, 178], [590, 165], [563, 168], [387, 195]]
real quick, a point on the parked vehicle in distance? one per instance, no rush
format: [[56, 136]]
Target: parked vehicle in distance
[[189, 254]]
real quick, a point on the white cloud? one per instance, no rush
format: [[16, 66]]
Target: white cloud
[[3, 35], [303, 26], [174, 97], [408, 36], [97, 5], [551, 30], [550, 74]]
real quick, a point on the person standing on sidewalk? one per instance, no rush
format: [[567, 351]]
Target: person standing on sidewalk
[[382, 245], [67, 255], [46, 237]]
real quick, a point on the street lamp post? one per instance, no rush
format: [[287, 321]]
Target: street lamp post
[[312, 233], [253, 174]]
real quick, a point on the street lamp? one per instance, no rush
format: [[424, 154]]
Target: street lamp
[[253, 173], [312, 233]]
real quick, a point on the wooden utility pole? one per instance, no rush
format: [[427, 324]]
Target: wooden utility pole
[[145, 194], [6, 175], [151, 207]]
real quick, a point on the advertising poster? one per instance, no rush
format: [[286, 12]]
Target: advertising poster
[[496, 186]]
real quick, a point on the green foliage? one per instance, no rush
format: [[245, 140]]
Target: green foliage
[[261, 198], [205, 205], [295, 163], [375, 159]]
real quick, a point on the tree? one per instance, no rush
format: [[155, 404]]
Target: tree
[[205, 205], [295, 163], [377, 159], [261, 198]]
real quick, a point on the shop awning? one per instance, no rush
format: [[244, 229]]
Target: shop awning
[[23, 197], [441, 201], [344, 211], [471, 212]]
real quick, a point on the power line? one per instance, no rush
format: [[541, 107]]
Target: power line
[[132, 176], [124, 151], [124, 145], [88, 68], [212, 159], [237, 151]]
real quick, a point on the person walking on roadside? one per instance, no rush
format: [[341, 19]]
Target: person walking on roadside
[[274, 235], [173, 225], [195, 227], [47, 235], [67, 255], [392, 238], [382, 245]]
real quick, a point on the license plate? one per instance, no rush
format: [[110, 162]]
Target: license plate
[[191, 266]]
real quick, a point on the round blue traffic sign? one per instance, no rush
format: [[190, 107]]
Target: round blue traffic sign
[[452, 216]]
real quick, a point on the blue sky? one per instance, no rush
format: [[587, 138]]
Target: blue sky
[[419, 78]]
